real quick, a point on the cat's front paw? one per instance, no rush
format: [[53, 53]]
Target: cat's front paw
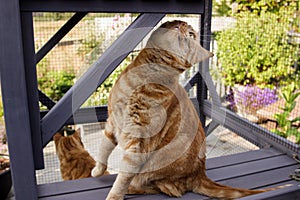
[[98, 170], [112, 196]]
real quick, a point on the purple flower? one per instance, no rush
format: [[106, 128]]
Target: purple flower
[[253, 98]]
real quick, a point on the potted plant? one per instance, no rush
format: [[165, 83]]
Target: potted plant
[[256, 53], [249, 99], [5, 175]]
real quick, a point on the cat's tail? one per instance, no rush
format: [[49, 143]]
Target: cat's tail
[[216, 190]]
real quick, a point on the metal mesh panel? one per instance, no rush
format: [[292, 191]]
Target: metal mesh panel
[[65, 64], [81, 47]]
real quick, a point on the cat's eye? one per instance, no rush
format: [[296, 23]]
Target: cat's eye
[[192, 35]]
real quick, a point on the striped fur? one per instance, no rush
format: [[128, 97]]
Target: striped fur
[[153, 135], [75, 161]]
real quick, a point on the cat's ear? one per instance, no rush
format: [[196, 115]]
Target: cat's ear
[[77, 136], [77, 133]]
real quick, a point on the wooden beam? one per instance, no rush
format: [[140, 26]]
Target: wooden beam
[[86, 115], [32, 89], [97, 74], [191, 82], [15, 101], [63, 31], [45, 100], [205, 31], [116, 6]]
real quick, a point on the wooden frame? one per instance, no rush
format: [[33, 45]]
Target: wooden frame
[[28, 130]]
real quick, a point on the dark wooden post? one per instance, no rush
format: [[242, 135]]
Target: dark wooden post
[[15, 101], [32, 88], [205, 35]]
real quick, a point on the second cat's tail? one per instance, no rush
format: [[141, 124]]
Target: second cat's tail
[[216, 190]]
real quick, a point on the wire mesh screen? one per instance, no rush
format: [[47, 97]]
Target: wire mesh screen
[[65, 64], [222, 142], [70, 58], [256, 68], [85, 43]]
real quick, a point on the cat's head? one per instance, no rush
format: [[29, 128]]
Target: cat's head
[[63, 144], [179, 39]]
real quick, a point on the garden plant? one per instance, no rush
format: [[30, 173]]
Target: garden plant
[[258, 60]]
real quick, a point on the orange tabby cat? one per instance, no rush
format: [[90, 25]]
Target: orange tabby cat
[[75, 161], [153, 135]]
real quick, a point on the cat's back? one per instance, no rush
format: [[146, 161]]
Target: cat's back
[[75, 161], [153, 76]]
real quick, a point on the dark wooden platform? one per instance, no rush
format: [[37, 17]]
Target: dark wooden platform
[[255, 169]]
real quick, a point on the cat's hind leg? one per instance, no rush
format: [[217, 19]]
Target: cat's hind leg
[[131, 162], [131, 166]]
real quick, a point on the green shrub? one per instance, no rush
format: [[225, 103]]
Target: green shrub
[[221, 8], [259, 6], [62, 81], [256, 51], [54, 83]]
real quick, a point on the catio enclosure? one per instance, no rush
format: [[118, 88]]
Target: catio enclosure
[[87, 48]]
